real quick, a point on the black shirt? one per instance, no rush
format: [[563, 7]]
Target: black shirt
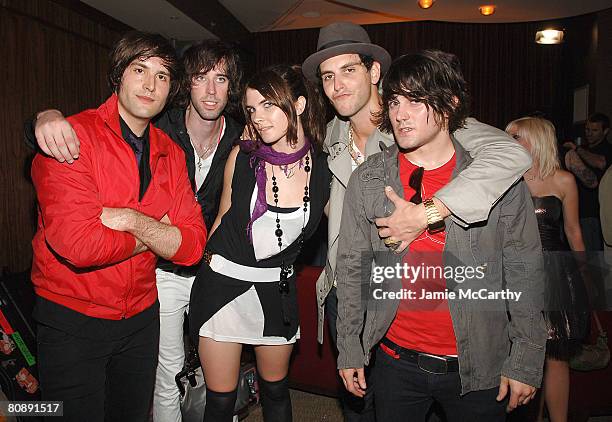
[[141, 147], [588, 197], [209, 195]]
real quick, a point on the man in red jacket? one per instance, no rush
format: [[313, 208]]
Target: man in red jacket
[[103, 221]]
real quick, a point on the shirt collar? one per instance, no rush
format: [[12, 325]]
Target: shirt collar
[[126, 132]]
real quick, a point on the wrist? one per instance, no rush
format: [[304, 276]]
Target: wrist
[[435, 221], [131, 221], [444, 212], [421, 216], [47, 113]]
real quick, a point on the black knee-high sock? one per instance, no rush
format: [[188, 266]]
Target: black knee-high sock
[[275, 400], [219, 406]]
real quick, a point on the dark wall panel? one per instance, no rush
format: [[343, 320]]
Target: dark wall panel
[[52, 57], [604, 63]]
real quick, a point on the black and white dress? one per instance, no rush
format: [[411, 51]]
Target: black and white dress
[[229, 300]]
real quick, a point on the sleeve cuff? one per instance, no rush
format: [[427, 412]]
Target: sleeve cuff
[[191, 249], [467, 208], [350, 353], [525, 364], [129, 245]]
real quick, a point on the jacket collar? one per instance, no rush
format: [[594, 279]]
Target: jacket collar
[[109, 113], [177, 116], [389, 156], [340, 161]]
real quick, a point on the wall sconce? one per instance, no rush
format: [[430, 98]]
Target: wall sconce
[[549, 36], [426, 4], [487, 9]]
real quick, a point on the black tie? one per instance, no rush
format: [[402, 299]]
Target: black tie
[[137, 145]]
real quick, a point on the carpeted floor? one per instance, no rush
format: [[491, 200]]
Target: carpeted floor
[[307, 408], [314, 408]]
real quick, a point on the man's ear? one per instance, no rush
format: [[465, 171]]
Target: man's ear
[[375, 73], [300, 105]]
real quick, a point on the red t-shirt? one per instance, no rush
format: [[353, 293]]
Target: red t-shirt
[[424, 323]]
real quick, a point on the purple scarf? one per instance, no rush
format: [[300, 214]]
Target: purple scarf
[[266, 154]]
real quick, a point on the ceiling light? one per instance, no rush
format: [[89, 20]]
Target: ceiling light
[[426, 4], [549, 36], [487, 9]]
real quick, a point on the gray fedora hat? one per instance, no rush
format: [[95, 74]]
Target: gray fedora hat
[[343, 38]]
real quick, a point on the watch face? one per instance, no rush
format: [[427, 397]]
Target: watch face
[[436, 227]]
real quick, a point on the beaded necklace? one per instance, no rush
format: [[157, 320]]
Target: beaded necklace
[[283, 284]]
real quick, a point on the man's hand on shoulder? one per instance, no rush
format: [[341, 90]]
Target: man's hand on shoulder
[[55, 136], [520, 393], [407, 221]]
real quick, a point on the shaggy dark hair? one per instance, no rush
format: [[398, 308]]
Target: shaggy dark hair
[[600, 118], [204, 56], [282, 85], [432, 77], [142, 46]]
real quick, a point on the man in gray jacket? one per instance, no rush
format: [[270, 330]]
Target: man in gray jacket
[[349, 67], [469, 335]]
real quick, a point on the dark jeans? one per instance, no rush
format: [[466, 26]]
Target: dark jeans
[[99, 379], [355, 409], [404, 392]]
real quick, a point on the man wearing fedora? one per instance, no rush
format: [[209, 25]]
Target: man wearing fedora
[[349, 67]]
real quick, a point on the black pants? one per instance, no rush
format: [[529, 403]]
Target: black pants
[[404, 392], [355, 409], [99, 379]]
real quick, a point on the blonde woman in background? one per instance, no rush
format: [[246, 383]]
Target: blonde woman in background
[[555, 198]]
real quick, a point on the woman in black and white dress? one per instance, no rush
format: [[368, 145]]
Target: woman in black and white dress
[[275, 189]]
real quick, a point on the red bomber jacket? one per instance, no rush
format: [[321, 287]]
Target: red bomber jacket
[[83, 265]]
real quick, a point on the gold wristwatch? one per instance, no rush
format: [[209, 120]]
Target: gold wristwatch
[[435, 222]]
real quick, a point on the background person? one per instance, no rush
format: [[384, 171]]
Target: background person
[[588, 163], [555, 198]]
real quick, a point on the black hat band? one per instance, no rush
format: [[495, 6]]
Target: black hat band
[[338, 42]]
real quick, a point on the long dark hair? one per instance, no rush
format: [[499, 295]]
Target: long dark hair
[[283, 85], [206, 55]]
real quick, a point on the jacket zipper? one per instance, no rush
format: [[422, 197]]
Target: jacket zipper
[[130, 281], [139, 209]]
